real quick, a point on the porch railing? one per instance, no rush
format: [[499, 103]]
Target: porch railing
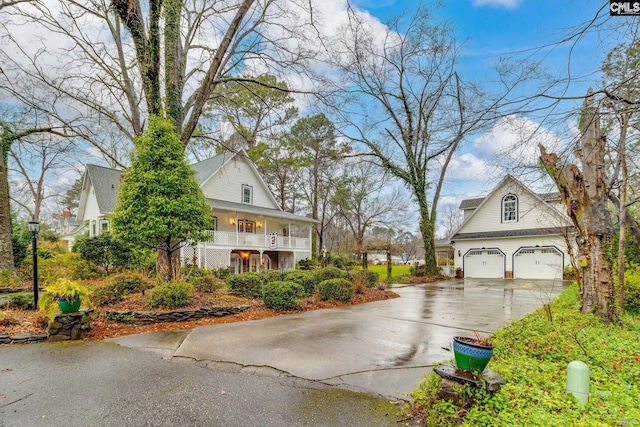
[[248, 240]]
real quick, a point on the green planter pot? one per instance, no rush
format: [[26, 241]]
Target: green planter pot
[[470, 355], [69, 306]]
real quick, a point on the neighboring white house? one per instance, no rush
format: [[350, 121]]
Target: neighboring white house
[[513, 233], [249, 232]]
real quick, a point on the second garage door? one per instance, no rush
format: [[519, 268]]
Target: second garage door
[[538, 263], [484, 263]]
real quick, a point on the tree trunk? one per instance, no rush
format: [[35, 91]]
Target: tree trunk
[[6, 246], [585, 196], [428, 238]]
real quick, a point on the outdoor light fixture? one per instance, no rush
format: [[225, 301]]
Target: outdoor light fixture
[[232, 221], [34, 226], [259, 224], [459, 254]]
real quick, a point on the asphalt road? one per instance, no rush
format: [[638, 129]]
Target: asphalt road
[[103, 384]]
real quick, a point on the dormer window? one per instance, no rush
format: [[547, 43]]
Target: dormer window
[[510, 208], [247, 194]]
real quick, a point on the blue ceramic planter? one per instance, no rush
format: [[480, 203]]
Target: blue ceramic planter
[[471, 356]]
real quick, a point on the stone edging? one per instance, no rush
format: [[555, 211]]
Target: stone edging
[[139, 318], [22, 339], [149, 317]]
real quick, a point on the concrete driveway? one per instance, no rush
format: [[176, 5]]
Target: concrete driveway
[[382, 347]]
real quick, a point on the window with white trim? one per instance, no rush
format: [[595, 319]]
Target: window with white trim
[[246, 226], [510, 208], [104, 226], [247, 194]]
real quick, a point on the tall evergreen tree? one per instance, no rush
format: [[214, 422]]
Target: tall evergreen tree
[[160, 204]]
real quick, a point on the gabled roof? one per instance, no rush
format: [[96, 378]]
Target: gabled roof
[[474, 203], [544, 198], [106, 182], [208, 167]]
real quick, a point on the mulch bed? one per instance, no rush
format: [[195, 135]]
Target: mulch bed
[[29, 322]]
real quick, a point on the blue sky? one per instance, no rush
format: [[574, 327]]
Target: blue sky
[[491, 28]]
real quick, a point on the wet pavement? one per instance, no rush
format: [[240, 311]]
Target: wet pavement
[[381, 348]]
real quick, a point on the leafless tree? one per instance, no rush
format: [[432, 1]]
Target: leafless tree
[[33, 162], [401, 97]]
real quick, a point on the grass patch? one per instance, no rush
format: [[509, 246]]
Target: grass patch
[[532, 356], [396, 270]]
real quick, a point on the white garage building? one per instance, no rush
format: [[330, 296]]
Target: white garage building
[[513, 233]]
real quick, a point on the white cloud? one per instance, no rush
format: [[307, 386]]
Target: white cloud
[[468, 167], [508, 4], [516, 140]]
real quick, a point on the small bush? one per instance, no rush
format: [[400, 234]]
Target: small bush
[[222, 273], [104, 250], [170, 295], [307, 279], [8, 279], [370, 278], [20, 301], [418, 271], [273, 276], [208, 283], [335, 290], [7, 319], [118, 286], [247, 284], [281, 295], [306, 264], [79, 269], [340, 260], [331, 273]]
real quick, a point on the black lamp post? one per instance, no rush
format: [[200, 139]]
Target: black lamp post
[[34, 227]]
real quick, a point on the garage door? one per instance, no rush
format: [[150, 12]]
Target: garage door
[[538, 263], [484, 263]]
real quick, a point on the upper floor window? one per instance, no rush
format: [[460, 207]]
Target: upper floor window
[[247, 194], [510, 208], [214, 224], [246, 226], [104, 226]]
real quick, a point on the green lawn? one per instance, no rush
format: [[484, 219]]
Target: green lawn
[[396, 270]]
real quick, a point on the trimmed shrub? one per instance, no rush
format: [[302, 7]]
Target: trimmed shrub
[[306, 264], [118, 286], [20, 301], [370, 278], [273, 276], [281, 295], [335, 290], [340, 260], [331, 273], [79, 269], [170, 295], [208, 283], [247, 284], [307, 279], [222, 273], [104, 250]]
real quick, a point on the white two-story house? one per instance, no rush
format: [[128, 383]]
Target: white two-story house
[[513, 233], [249, 232]]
